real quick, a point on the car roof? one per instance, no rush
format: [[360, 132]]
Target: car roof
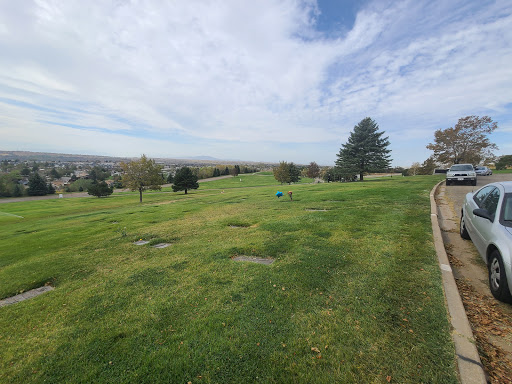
[[507, 186]]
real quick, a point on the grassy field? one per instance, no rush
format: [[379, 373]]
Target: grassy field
[[354, 294]]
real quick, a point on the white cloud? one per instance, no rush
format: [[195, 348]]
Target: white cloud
[[249, 72]]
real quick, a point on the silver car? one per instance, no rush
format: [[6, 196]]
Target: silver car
[[461, 173], [486, 219], [483, 171]]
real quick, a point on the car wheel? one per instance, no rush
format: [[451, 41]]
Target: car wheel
[[448, 182], [473, 182], [498, 278], [463, 231]]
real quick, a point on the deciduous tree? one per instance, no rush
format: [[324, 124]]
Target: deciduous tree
[[98, 173], [141, 175], [184, 180], [504, 162], [313, 170], [287, 173], [428, 167], [415, 169], [365, 151], [467, 142]]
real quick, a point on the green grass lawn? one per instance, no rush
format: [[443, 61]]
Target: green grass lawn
[[354, 294]]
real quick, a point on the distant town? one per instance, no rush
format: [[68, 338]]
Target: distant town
[[76, 173]]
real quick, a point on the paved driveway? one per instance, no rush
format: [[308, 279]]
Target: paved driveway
[[490, 319]]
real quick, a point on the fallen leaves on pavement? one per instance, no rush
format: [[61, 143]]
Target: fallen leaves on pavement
[[487, 318]]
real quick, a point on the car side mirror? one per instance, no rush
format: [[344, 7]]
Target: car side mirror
[[484, 213]]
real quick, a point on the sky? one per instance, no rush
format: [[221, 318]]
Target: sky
[[266, 80]]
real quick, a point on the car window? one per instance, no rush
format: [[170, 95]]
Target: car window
[[491, 202], [480, 196], [506, 216], [461, 167]]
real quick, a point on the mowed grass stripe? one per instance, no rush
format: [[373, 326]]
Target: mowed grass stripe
[[354, 294]]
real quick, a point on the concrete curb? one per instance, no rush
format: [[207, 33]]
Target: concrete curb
[[468, 360]]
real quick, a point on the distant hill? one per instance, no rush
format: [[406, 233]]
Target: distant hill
[[63, 157], [203, 158], [48, 156]]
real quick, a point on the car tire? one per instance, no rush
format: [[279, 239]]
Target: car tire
[[462, 229], [448, 182], [473, 183], [498, 278]]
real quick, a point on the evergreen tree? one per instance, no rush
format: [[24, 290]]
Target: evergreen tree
[[100, 189], [25, 172], [365, 151], [18, 190], [54, 174], [36, 185], [184, 180], [50, 189], [170, 178]]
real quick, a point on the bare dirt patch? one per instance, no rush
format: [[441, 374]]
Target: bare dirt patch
[[490, 319]]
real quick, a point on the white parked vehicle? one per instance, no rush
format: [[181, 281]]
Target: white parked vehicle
[[461, 173], [486, 219]]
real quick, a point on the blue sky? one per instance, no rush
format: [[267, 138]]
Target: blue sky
[[265, 80]]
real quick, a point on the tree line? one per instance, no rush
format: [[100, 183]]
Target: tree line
[[366, 151]]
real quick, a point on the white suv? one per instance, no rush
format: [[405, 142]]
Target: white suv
[[461, 173]]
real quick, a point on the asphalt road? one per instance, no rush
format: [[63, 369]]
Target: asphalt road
[[456, 193], [490, 319]]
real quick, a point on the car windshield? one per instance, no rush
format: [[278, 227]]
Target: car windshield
[[461, 167], [479, 168]]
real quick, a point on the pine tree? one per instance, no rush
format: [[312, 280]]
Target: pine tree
[[50, 189], [184, 180], [36, 185], [365, 151], [100, 189]]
